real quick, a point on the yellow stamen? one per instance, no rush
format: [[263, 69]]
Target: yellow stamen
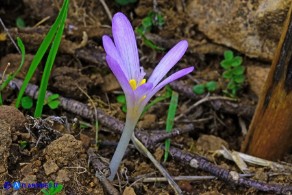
[[133, 84], [144, 96], [143, 81]]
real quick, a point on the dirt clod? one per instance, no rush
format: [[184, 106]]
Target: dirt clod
[[12, 116], [62, 176], [64, 150], [110, 83], [66, 80], [50, 167], [5, 142], [210, 143]]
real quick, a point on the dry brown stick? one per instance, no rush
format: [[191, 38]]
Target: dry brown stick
[[187, 158], [102, 172], [196, 161]]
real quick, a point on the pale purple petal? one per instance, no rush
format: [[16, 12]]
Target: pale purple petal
[[168, 61], [125, 42], [169, 79], [112, 51], [121, 78], [143, 90]]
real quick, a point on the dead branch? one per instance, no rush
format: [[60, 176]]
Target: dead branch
[[232, 177], [102, 172]]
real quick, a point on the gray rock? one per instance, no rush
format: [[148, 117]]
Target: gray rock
[[251, 27]]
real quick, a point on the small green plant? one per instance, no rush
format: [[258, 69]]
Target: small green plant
[[125, 2], [233, 73], [210, 86], [170, 121], [52, 101], [53, 38], [122, 100], [20, 22], [26, 102], [152, 20], [52, 189], [22, 144]]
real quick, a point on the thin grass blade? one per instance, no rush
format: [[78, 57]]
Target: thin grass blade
[[50, 62], [41, 51], [170, 120]]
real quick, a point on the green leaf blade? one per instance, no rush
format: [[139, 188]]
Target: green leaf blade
[[226, 64], [199, 89], [50, 61], [228, 55], [170, 120], [54, 104], [26, 102], [236, 61], [239, 70], [239, 79], [212, 86]]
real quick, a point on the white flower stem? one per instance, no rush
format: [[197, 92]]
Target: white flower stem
[[122, 146]]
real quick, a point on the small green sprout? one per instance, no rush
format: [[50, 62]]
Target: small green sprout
[[152, 20], [22, 144], [199, 89], [26, 102], [52, 189], [210, 86], [125, 2], [83, 125], [53, 101], [20, 22], [233, 74], [122, 100]]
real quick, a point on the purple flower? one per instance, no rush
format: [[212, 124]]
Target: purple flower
[[122, 58]]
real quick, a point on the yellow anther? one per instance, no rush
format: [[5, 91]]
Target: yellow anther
[[144, 96], [133, 84], [143, 81]]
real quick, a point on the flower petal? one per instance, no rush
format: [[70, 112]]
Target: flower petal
[[143, 90], [168, 61], [125, 42], [112, 51], [169, 79], [119, 74]]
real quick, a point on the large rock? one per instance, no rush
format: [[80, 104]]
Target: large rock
[[252, 27]]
